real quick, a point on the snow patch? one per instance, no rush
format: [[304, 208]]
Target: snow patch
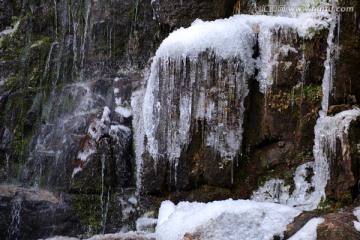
[[357, 226], [308, 232], [125, 112], [356, 212], [246, 219]]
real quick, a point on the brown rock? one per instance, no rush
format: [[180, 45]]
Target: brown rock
[[338, 226]]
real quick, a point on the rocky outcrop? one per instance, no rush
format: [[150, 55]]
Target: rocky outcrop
[[33, 214], [337, 226], [346, 85]]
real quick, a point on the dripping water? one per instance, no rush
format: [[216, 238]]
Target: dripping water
[[48, 60], [104, 200], [85, 36], [56, 19], [14, 228]]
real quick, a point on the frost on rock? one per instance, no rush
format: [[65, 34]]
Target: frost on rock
[[229, 219], [308, 191]]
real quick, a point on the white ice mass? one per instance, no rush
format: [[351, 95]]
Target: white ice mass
[[229, 219], [197, 71]]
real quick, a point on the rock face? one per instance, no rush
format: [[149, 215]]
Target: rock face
[[337, 226], [33, 214], [67, 73]]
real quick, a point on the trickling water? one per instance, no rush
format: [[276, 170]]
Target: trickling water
[[86, 30], [14, 228], [48, 60], [103, 202], [56, 19]]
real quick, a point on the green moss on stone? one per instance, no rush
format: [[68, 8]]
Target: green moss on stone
[[88, 209]]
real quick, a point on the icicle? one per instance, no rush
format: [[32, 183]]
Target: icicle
[[327, 82]]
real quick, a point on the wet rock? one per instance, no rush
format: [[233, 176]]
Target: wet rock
[[335, 226], [33, 214], [298, 223], [346, 82], [286, 113], [8, 11]]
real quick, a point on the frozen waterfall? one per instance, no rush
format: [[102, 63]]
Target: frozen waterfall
[[201, 74]]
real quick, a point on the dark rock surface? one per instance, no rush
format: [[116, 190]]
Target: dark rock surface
[[33, 214], [346, 84]]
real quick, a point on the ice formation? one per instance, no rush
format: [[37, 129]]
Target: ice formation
[[331, 54], [200, 74], [308, 193], [356, 213], [138, 126], [195, 76], [199, 78], [229, 219]]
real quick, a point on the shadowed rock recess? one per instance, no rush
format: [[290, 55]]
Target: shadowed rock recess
[[108, 108]]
